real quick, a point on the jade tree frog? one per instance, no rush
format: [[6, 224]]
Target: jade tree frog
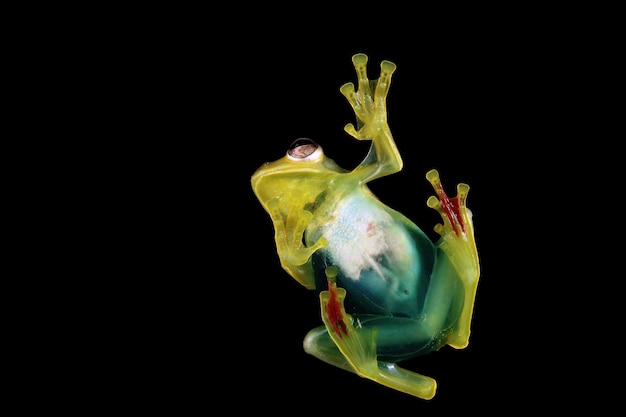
[[387, 292]]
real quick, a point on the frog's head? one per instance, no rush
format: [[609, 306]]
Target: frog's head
[[299, 177]]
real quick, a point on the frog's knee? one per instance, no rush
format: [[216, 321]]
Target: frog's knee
[[309, 343], [319, 344], [312, 341]]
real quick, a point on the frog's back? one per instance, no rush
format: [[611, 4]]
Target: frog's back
[[384, 260]]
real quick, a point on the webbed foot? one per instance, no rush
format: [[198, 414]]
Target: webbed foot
[[357, 346], [289, 226], [289, 231], [369, 107], [457, 230]]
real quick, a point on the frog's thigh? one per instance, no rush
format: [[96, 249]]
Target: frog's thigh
[[404, 336], [398, 337], [444, 298], [319, 344]]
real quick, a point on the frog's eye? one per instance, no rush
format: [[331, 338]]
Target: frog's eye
[[304, 149]]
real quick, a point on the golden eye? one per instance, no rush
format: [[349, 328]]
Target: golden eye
[[304, 149]]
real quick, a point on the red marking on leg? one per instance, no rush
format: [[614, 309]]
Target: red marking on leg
[[333, 309], [452, 210]]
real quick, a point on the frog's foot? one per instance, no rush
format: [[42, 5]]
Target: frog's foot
[[358, 346], [457, 241], [289, 226], [369, 108], [457, 231]]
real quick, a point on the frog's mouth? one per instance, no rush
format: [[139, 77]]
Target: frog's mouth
[[283, 167]]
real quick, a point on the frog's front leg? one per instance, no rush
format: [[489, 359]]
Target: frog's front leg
[[370, 108], [295, 258], [353, 348], [457, 241]]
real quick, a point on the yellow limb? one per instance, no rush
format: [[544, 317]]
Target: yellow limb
[[358, 346], [457, 241], [289, 231]]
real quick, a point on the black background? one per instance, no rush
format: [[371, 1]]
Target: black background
[[200, 315]]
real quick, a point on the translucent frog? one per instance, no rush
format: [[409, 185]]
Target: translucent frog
[[387, 292]]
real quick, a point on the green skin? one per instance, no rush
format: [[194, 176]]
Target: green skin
[[387, 293]]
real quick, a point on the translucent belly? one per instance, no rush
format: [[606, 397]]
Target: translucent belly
[[384, 260]]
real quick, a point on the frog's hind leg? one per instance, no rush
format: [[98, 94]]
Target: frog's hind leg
[[319, 343], [354, 349], [457, 241]]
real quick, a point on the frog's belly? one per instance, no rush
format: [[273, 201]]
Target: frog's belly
[[384, 261]]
